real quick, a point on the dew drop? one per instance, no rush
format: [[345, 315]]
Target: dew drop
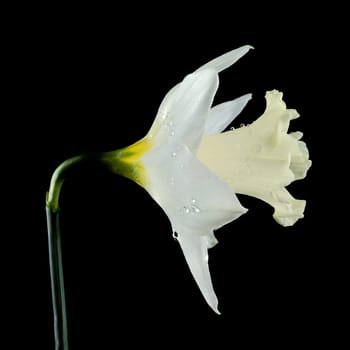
[[175, 235], [172, 133], [186, 210], [195, 209], [242, 125], [173, 154], [193, 201]]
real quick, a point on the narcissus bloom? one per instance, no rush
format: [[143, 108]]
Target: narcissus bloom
[[192, 171]]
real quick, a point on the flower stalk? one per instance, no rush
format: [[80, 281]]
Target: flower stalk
[[57, 180], [55, 251], [57, 280], [54, 235], [54, 241]]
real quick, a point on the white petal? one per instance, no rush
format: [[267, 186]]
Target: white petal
[[195, 249], [189, 109], [226, 60], [196, 202], [218, 64], [167, 103], [223, 114], [192, 104]]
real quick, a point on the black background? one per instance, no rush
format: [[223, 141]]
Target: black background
[[91, 80]]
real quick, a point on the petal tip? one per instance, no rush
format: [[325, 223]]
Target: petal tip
[[214, 305], [216, 310]]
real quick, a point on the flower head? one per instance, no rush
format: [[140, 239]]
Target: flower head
[[184, 165]]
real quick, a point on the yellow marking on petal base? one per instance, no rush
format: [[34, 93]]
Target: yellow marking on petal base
[[126, 161], [135, 151]]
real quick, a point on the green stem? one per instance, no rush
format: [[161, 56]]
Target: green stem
[[110, 160], [57, 281], [54, 240], [58, 178]]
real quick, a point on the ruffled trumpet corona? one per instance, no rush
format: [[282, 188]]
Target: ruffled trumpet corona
[[193, 169]]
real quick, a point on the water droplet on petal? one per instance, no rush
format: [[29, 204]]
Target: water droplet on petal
[[175, 235], [173, 154], [193, 201], [195, 209], [172, 133], [186, 210], [242, 125]]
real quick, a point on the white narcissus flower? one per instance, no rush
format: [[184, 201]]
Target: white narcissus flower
[[187, 168]]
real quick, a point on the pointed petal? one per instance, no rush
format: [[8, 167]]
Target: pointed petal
[[223, 114], [261, 159], [218, 64], [196, 202], [192, 104], [226, 60], [195, 249], [186, 115]]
